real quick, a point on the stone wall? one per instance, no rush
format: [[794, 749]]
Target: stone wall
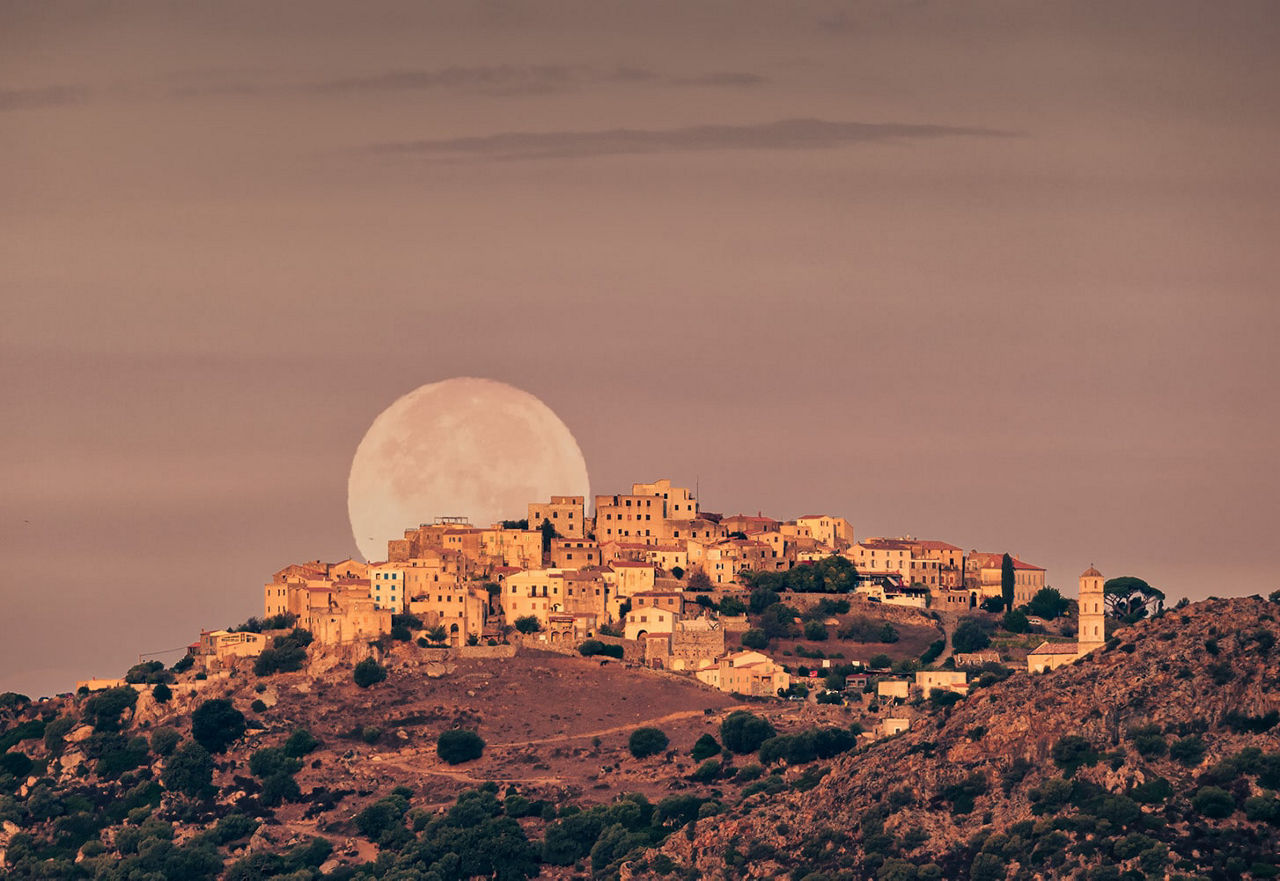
[[505, 650]]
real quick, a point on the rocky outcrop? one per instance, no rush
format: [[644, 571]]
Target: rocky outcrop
[[1211, 671]]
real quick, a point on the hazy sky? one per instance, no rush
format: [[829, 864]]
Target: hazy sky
[[1000, 273]]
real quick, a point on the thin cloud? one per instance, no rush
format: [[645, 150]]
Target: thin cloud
[[503, 79], [786, 134], [728, 78], [49, 96]]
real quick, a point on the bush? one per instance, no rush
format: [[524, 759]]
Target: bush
[[705, 747], [1015, 621], [164, 740], [707, 771], [935, 649], [368, 672], [300, 743], [258, 706], [189, 770], [593, 647], [864, 629], [880, 662], [1071, 752], [459, 745], [527, 624], [216, 724], [755, 639], [147, 673], [970, 636], [383, 816], [272, 760], [743, 732], [1148, 741], [162, 693], [645, 742], [1188, 750], [1213, 802], [104, 709], [815, 631]]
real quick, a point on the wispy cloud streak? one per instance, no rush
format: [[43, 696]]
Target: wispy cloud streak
[[786, 134], [48, 96]]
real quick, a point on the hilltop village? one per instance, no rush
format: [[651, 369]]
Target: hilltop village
[[654, 579]]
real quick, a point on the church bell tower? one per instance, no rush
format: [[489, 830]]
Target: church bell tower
[[1093, 632]]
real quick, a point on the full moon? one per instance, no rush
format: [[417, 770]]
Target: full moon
[[463, 447]]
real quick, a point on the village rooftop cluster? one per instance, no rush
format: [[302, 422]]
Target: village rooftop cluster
[[650, 572]]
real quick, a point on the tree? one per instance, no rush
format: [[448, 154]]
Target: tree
[[698, 580], [732, 606], [815, 630], [743, 732], [755, 639], [1007, 580], [368, 672], [1130, 599], [548, 532], [458, 745], [104, 709], [970, 636], [189, 770], [1015, 621], [161, 693], [705, 747], [300, 743], [527, 624], [216, 724], [645, 742], [1048, 603]]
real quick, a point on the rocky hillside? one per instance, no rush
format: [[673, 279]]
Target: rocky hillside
[[1158, 756]]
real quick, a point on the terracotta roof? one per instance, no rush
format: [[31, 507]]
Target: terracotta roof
[[1091, 573], [1055, 648], [937, 545], [888, 544], [1019, 564]]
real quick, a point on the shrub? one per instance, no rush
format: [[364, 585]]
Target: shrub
[[705, 747], [368, 672], [300, 743], [527, 624], [1148, 741], [755, 639], [258, 706], [707, 771], [935, 649], [864, 629], [1071, 752], [743, 732], [648, 741], [970, 636], [162, 693], [278, 788], [216, 724], [880, 662], [189, 770], [164, 740], [1213, 802], [272, 760], [815, 631], [458, 745], [384, 815], [104, 709], [1188, 750], [1015, 621]]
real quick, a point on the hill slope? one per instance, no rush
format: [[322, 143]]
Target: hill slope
[[1156, 754]]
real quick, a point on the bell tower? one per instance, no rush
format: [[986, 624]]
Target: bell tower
[[1093, 631]]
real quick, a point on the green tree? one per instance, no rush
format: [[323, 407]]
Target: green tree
[[755, 639], [300, 743], [458, 745], [1131, 599], [548, 533], [1048, 604], [216, 724], [527, 624], [970, 636], [647, 741], [1015, 621], [369, 672], [742, 732], [104, 709], [1007, 580], [705, 747], [162, 693], [189, 770]]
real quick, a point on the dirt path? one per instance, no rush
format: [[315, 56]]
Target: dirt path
[[617, 729]]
